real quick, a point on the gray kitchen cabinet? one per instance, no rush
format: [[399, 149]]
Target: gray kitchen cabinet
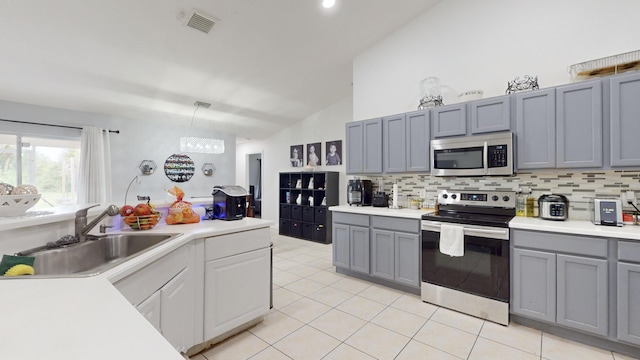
[[395, 153], [582, 290], [407, 259], [359, 249], [364, 147], [624, 121], [628, 292], [418, 127], [579, 125], [341, 245], [406, 142], [382, 254], [490, 115], [450, 120], [561, 279], [372, 146], [354, 147], [534, 284], [536, 129]]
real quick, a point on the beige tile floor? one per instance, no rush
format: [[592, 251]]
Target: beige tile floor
[[319, 314]]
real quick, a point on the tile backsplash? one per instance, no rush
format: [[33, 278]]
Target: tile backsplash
[[578, 187]]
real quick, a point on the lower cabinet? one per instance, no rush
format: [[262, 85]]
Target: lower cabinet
[[378, 246], [161, 292], [570, 290], [628, 292]]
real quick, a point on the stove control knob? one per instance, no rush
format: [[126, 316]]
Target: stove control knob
[[444, 196], [505, 198], [495, 198], [454, 196]]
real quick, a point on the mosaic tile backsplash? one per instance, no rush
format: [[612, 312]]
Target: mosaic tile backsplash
[[578, 187]]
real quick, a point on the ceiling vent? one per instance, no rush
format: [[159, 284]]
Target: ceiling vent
[[201, 22]]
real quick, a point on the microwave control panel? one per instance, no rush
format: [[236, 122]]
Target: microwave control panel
[[497, 156]]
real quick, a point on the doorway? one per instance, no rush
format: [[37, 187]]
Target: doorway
[[254, 163]]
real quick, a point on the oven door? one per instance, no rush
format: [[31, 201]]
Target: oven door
[[482, 271]]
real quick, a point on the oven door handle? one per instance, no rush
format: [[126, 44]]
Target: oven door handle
[[435, 226], [485, 153]]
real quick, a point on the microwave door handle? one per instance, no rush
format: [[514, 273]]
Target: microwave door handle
[[486, 158]]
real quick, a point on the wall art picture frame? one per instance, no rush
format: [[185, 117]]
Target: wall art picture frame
[[314, 154], [296, 155], [334, 153]]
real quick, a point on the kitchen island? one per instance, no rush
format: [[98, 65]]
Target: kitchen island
[[88, 317]]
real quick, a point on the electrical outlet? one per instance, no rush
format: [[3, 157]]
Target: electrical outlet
[[630, 197], [423, 194]]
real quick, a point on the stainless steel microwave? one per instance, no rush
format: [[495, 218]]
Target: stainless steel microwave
[[476, 155]]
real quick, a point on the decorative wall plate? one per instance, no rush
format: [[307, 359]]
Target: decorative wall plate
[[179, 168]]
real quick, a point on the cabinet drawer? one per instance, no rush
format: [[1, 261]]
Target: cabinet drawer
[[351, 219], [573, 244], [307, 214], [285, 224], [396, 224], [296, 212], [285, 211], [307, 231], [218, 247], [320, 216], [296, 229], [629, 251], [320, 233]]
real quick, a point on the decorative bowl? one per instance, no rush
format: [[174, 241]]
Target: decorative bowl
[[17, 205], [145, 222]]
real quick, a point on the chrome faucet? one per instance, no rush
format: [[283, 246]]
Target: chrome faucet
[[82, 229]]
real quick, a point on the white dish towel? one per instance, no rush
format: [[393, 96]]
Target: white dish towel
[[452, 240]]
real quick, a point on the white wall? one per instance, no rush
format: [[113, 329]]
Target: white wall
[[155, 139], [472, 44], [326, 125]]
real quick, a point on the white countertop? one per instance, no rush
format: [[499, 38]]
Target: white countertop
[[382, 211], [576, 227], [87, 318]]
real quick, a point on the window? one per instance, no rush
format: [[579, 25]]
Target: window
[[50, 164]]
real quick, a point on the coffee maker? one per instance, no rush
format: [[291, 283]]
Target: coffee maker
[[359, 192]]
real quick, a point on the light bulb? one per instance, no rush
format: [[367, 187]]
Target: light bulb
[[328, 3]]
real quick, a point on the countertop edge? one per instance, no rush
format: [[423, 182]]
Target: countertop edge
[[576, 227], [382, 211]]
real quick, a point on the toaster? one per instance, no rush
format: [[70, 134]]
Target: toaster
[[380, 199], [607, 212]]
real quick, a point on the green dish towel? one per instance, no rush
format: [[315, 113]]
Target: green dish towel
[[9, 261]]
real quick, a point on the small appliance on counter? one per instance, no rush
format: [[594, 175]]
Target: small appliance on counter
[[553, 207], [607, 212], [229, 202], [359, 192], [380, 199]]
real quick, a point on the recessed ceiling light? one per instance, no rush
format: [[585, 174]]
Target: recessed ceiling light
[[328, 3]]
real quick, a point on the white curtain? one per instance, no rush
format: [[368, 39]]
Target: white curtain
[[95, 166]]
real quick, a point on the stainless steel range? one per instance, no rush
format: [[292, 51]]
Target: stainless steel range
[[476, 283]]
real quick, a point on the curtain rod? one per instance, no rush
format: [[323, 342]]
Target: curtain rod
[[52, 125]]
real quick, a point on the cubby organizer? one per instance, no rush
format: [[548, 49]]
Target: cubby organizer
[[311, 219]]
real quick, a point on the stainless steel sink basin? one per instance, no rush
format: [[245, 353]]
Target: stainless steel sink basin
[[94, 256]]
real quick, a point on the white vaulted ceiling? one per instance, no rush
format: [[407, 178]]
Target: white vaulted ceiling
[[265, 65]]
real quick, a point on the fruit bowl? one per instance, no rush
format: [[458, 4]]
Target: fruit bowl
[[17, 205], [144, 222]]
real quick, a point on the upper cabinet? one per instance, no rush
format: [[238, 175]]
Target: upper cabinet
[[536, 129], [406, 142], [354, 146], [364, 147], [450, 120], [490, 115], [625, 120], [579, 125]]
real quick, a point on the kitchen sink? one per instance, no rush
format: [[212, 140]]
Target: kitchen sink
[[93, 256]]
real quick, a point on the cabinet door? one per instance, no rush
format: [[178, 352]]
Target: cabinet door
[[382, 254], [450, 120], [359, 249], [490, 115], [341, 245], [582, 293], [177, 319], [625, 121], [150, 309], [579, 125], [536, 129], [354, 146], [372, 146], [407, 258], [534, 284], [236, 290], [628, 300], [418, 136], [394, 144]]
